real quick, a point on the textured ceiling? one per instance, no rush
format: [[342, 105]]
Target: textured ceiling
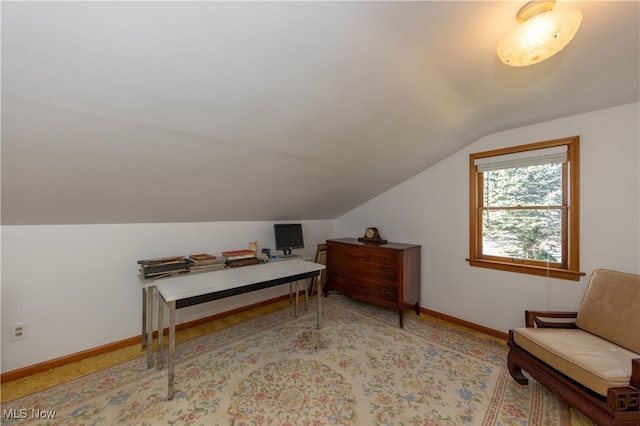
[[123, 112]]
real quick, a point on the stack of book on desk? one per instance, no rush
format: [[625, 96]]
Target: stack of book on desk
[[236, 258], [163, 267], [205, 262]]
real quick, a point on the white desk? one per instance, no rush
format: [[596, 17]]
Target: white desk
[[148, 288], [188, 290]]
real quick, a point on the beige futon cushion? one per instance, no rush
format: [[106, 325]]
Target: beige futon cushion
[[594, 362], [611, 308]]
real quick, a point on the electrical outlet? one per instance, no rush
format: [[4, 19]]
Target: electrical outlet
[[19, 331]]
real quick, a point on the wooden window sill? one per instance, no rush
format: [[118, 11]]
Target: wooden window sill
[[563, 274]]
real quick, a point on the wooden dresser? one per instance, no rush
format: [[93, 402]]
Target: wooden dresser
[[386, 275]]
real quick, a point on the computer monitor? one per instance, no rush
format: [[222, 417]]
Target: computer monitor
[[288, 237]]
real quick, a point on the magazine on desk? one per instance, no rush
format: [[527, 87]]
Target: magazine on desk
[[239, 254], [163, 266]]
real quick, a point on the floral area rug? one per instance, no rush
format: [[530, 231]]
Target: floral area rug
[[360, 368]]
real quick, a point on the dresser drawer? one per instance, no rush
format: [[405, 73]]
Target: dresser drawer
[[381, 272], [364, 289], [349, 267], [372, 254]]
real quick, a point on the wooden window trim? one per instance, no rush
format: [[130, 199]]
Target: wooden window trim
[[570, 270]]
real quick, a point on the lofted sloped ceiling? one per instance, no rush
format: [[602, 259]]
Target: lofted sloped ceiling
[[128, 112]]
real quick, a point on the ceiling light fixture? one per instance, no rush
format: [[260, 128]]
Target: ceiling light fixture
[[542, 32]]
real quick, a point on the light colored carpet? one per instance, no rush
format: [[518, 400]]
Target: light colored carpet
[[37, 382], [359, 368]]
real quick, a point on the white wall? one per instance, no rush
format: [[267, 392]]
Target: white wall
[[77, 288], [77, 285], [432, 209]]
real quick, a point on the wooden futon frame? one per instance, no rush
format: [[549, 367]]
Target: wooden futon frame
[[589, 358]]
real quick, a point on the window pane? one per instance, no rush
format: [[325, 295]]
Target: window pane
[[523, 234], [524, 186]]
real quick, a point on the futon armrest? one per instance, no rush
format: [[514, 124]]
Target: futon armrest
[[635, 373], [541, 319]]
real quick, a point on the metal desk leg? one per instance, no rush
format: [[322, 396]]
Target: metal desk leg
[[295, 311], [172, 349], [144, 318], [306, 294], [319, 293], [160, 353], [147, 334]]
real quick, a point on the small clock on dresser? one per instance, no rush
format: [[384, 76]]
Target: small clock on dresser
[[372, 235]]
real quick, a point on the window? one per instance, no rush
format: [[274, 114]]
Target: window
[[524, 209]]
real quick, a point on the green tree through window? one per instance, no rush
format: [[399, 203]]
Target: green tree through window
[[522, 213]]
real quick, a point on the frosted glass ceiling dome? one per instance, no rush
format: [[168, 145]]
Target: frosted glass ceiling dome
[[542, 32]]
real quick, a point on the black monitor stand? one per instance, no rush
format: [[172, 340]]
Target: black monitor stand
[[287, 253]]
